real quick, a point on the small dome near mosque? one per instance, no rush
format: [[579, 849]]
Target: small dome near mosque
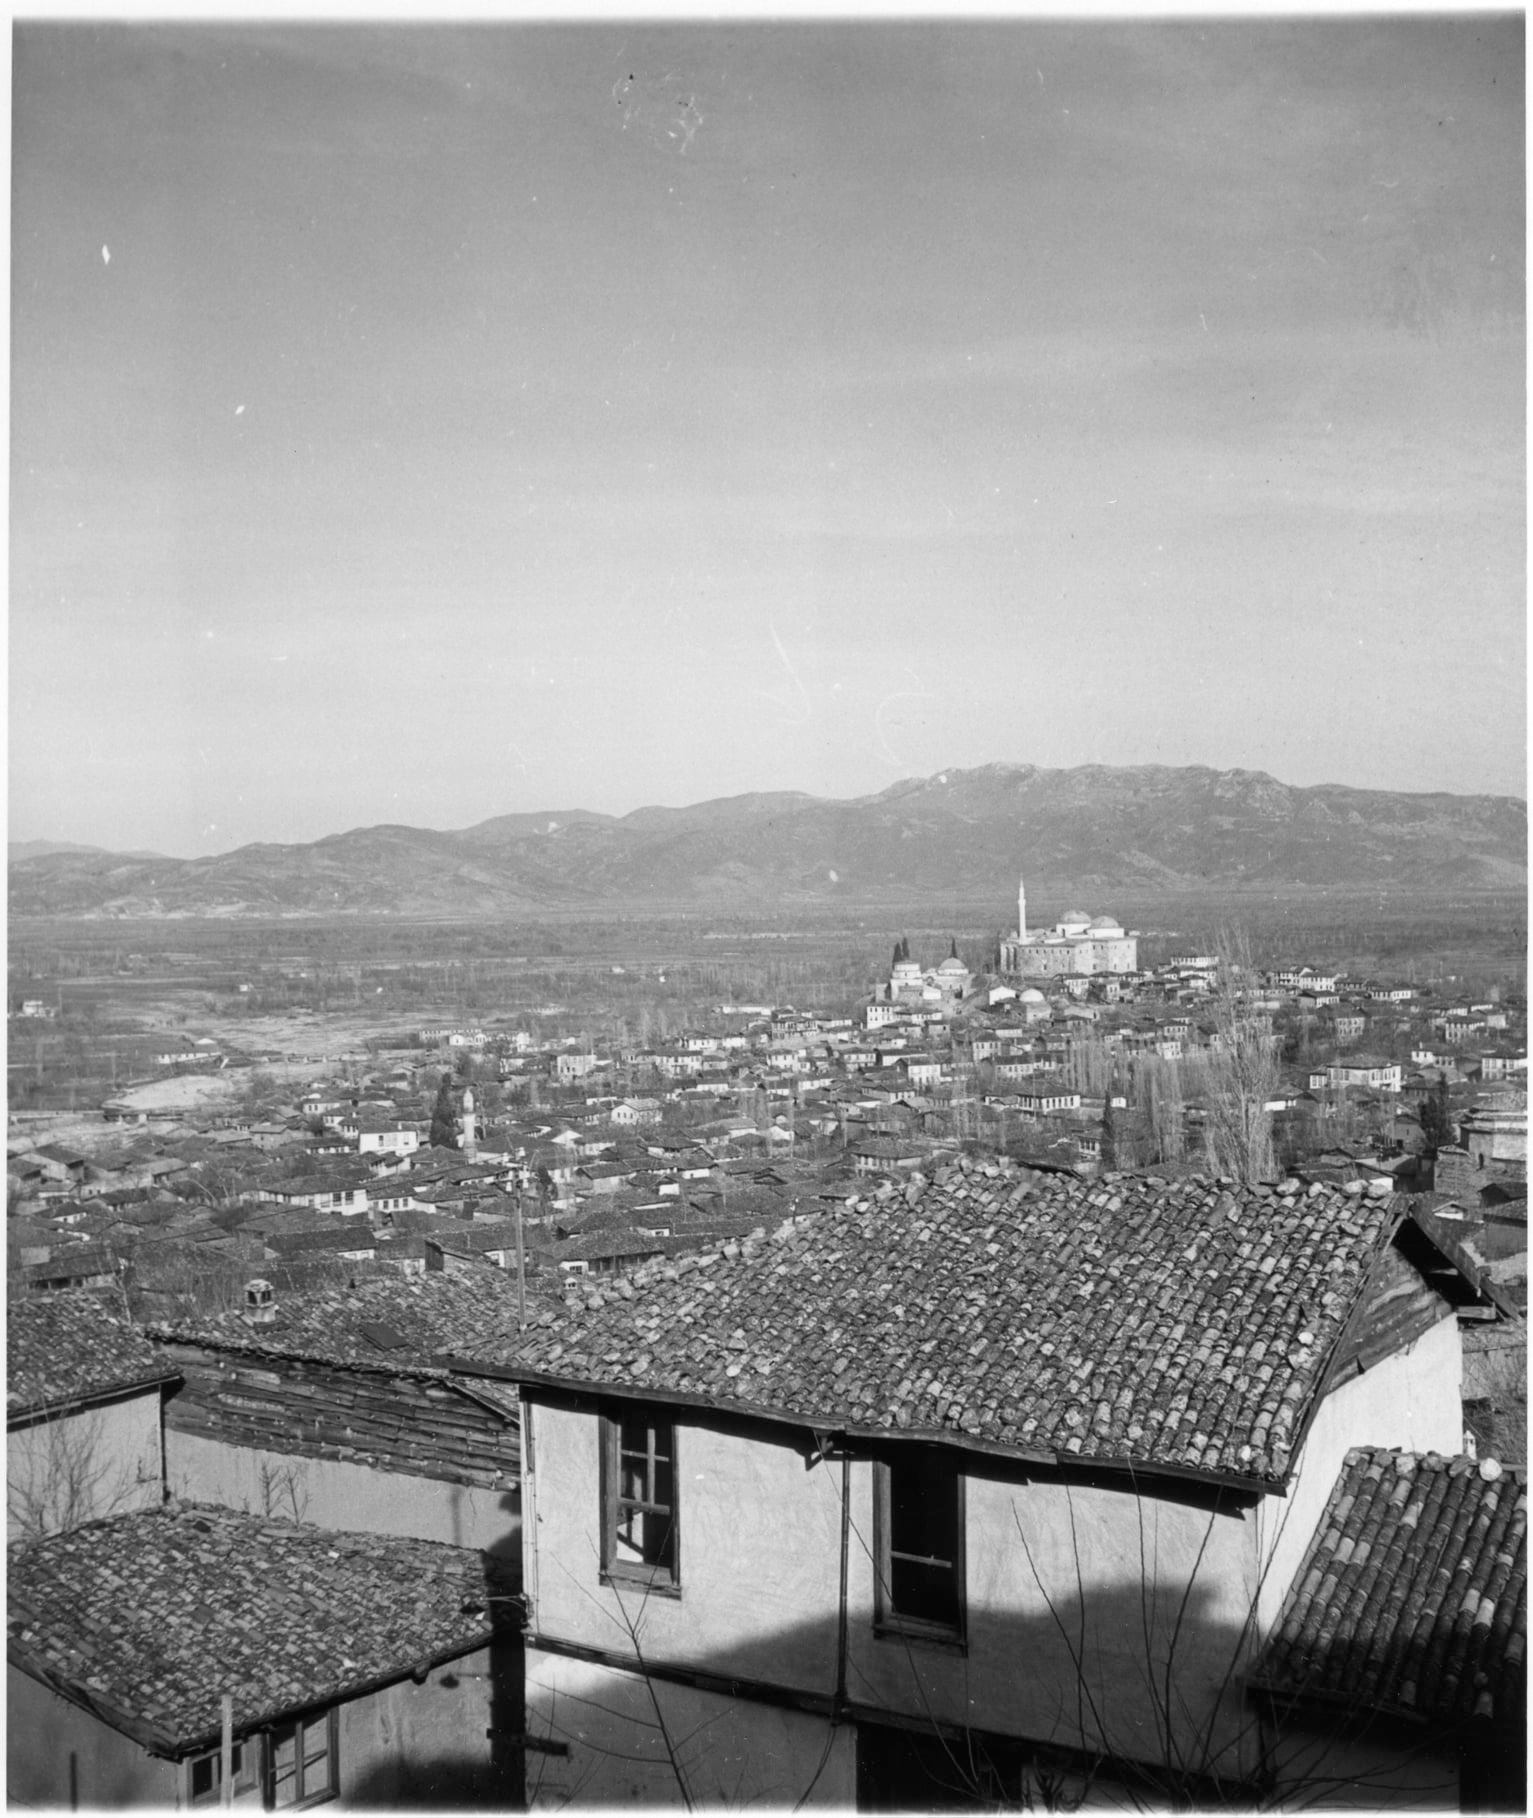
[[1032, 995], [1075, 918], [1107, 923], [952, 964]]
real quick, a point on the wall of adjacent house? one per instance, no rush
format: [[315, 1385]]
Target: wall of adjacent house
[[446, 1742], [58, 1756], [96, 1461], [1410, 1399], [412, 1423], [331, 1493], [1334, 1760], [637, 1741]]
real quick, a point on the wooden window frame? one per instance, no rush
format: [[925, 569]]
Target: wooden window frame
[[256, 1770], [247, 1772], [657, 1580], [332, 1757], [887, 1620]]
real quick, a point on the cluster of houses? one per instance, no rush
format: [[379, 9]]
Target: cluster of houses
[[596, 1156]]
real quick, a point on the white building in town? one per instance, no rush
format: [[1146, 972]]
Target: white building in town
[[1077, 944]]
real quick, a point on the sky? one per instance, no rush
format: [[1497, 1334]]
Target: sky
[[418, 424]]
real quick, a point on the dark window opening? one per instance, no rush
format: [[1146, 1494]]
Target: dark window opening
[[920, 1543]]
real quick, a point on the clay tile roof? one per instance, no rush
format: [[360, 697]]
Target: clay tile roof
[[68, 1347], [431, 1314], [1181, 1325], [1412, 1598], [200, 1601]]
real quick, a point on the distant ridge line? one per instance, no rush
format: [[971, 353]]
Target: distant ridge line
[[957, 833]]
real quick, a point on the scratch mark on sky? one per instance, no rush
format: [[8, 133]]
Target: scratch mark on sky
[[806, 709]]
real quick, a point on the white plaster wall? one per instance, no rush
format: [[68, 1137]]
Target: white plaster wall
[[760, 1573], [98, 1461], [1078, 1600], [329, 1493], [426, 1744], [760, 1554], [1410, 1399], [622, 1731], [60, 1757]]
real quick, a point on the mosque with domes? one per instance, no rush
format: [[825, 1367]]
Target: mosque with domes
[[941, 987], [1077, 945]]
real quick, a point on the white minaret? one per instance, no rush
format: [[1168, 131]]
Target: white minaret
[[1021, 909], [468, 1140]]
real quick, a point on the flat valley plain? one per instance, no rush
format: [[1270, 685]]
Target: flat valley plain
[[305, 993]]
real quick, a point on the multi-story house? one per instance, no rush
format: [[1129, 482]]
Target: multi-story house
[[978, 1491]]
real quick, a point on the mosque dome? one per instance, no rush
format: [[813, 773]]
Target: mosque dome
[[952, 964], [1030, 996], [1107, 924], [1075, 918]]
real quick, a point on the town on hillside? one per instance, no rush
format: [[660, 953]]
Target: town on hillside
[[1049, 1380]]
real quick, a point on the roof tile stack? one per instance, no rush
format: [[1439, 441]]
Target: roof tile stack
[[1413, 1596]]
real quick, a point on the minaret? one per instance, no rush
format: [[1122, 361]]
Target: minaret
[[1021, 909], [468, 1140]]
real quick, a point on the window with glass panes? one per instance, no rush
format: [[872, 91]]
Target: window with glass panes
[[293, 1764], [207, 1773], [300, 1762], [919, 1533], [640, 1538]]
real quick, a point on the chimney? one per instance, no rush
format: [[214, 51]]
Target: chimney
[[260, 1303]]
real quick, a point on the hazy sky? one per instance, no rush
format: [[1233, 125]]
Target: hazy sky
[[419, 424]]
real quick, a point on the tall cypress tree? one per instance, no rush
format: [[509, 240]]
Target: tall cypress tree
[[444, 1117], [1109, 1133], [1437, 1117]]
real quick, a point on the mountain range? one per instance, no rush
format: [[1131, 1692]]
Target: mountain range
[[959, 835]]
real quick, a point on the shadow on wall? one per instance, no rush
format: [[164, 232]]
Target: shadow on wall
[[1134, 1726], [439, 1780], [508, 1544]]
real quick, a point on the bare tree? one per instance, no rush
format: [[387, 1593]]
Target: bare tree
[[1241, 1070], [1158, 1089], [62, 1472], [283, 1491]]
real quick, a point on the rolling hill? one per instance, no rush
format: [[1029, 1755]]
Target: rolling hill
[[960, 834]]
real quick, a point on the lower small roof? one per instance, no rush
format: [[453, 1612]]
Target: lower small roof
[[1412, 1598], [147, 1619]]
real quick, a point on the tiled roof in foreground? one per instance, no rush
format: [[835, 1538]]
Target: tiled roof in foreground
[[148, 1618], [1413, 1596], [1181, 1325], [68, 1347]]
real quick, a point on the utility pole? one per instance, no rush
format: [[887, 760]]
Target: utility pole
[[521, 1263]]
